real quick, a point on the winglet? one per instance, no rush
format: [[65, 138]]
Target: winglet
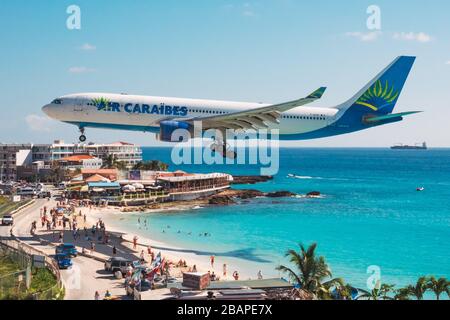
[[317, 94]]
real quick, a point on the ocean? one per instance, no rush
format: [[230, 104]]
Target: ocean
[[370, 214]]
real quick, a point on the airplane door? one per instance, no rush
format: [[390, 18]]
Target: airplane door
[[78, 106]]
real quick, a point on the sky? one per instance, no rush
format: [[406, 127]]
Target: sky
[[259, 51]]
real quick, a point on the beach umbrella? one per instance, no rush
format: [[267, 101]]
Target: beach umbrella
[[138, 186], [129, 188]]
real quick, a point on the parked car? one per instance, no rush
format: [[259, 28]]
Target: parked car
[[64, 261], [67, 249], [118, 264], [7, 220], [44, 194]]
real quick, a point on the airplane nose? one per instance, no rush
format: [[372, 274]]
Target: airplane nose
[[48, 110]]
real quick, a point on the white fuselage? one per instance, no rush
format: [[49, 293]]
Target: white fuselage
[[144, 113]]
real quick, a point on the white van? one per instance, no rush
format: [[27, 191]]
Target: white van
[[26, 192]]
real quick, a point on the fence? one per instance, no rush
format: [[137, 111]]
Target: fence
[[22, 253]]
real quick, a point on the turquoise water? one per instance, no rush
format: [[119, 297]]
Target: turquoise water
[[371, 214]]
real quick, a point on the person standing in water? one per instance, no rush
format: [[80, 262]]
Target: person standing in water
[[260, 276]]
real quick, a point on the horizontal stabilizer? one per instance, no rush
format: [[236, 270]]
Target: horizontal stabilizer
[[390, 116]]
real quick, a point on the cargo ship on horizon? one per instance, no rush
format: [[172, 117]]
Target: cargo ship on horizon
[[407, 147]]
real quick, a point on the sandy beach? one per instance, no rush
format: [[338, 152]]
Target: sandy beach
[[109, 216]]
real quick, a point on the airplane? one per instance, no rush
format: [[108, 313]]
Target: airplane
[[372, 106]]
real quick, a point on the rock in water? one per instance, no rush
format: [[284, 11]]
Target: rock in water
[[221, 200], [250, 179], [314, 194], [280, 194]]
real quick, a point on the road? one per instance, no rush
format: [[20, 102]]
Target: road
[[85, 277]]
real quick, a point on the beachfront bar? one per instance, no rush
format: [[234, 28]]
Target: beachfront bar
[[188, 187]]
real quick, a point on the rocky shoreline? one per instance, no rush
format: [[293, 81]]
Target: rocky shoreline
[[250, 179], [224, 198]]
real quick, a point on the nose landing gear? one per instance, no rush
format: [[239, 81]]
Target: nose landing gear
[[82, 138], [223, 149]]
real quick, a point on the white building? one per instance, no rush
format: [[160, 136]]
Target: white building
[[13, 156], [129, 153]]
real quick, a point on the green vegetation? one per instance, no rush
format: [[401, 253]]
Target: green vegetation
[[314, 278], [43, 282], [8, 266], [153, 165], [6, 205], [110, 162]]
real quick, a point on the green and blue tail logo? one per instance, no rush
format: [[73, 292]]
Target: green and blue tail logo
[[380, 95]]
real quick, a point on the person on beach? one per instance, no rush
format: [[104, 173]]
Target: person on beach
[[135, 239], [212, 261], [194, 268], [142, 256], [97, 295], [84, 218], [92, 247], [224, 269], [114, 250], [236, 275], [149, 250], [259, 275]]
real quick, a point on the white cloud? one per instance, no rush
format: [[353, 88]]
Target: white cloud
[[412, 36], [79, 70], [38, 123], [364, 36], [247, 10], [248, 13], [88, 47], [448, 63]]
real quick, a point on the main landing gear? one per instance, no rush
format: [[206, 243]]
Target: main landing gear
[[82, 137], [223, 149]]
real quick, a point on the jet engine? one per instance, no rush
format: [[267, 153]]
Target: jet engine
[[175, 131]]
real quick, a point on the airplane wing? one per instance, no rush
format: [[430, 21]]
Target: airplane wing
[[258, 118]]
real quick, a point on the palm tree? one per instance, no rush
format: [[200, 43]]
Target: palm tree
[[438, 286], [311, 273], [153, 165], [402, 294], [57, 174], [419, 289], [110, 162], [380, 292]]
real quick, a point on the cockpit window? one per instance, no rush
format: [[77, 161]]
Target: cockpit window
[[57, 101]]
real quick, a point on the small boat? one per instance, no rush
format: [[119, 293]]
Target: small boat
[[420, 189]]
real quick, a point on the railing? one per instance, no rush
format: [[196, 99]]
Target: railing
[[132, 196], [24, 252], [202, 188]]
